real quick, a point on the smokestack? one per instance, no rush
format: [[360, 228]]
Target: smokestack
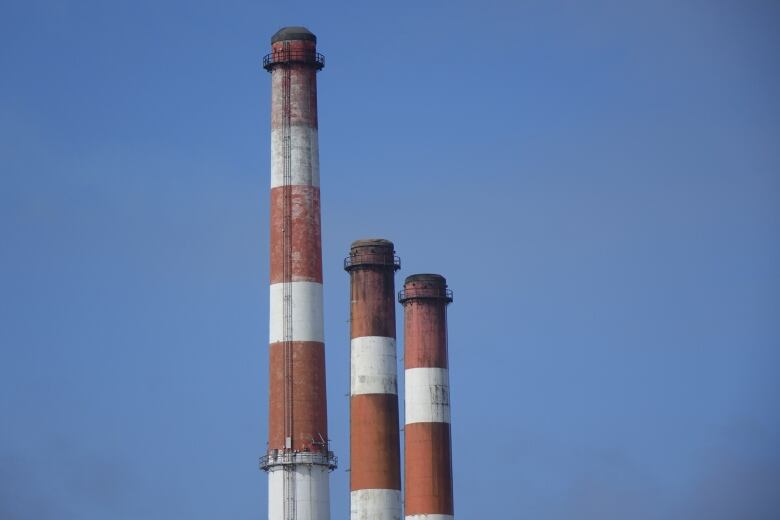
[[375, 474], [298, 459], [428, 459]]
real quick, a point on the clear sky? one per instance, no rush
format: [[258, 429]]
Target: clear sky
[[599, 182]]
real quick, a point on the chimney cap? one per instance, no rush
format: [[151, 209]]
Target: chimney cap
[[427, 277], [372, 242], [293, 33], [375, 253], [425, 286]]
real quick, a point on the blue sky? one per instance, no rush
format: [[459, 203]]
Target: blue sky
[[598, 181]]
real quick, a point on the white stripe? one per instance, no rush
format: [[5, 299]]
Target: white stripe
[[373, 366], [304, 156], [306, 312], [375, 504], [427, 393], [430, 517], [311, 492]]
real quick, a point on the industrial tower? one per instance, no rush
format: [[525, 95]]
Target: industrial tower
[[428, 446], [298, 460], [375, 473]]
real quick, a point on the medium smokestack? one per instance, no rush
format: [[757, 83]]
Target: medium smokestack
[[298, 459], [428, 459], [375, 475]]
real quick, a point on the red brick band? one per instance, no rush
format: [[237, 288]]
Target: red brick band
[[310, 422], [306, 258], [303, 88], [373, 303], [425, 334], [428, 469], [374, 452]]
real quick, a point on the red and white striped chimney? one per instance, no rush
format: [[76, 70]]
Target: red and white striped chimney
[[298, 460], [428, 457], [375, 472]]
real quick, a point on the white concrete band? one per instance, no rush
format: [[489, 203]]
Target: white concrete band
[[430, 517], [311, 492], [307, 320], [373, 366], [304, 156], [375, 504], [427, 393]]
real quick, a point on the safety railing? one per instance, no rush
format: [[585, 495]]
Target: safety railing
[[283, 56], [428, 293], [372, 259], [287, 458]]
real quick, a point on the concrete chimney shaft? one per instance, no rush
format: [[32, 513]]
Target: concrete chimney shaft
[[298, 460], [428, 451], [375, 474]]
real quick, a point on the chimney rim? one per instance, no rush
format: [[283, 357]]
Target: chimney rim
[[293, 32], [372, 242], [427, 277]]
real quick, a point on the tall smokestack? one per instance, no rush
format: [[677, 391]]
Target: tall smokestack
[[428, 460], [298, 459], [375, 474]]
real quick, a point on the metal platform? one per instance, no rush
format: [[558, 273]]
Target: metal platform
[[371, 259], [425, 293], [290, 458], [288, 56]]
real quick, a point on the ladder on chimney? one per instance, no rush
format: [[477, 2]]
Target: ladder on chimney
[[287, 252]]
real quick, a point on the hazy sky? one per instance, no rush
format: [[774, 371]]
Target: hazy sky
[[599, 182]]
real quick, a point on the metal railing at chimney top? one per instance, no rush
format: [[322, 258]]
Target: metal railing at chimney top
[[383, 259], [426, 293], [283, 56], [290, 458]]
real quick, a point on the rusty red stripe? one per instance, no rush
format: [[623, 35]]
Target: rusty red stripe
[[374, 442], [425, 334], [428, 469], [306, 235], [310, 422], [303, 89], [373, 303]]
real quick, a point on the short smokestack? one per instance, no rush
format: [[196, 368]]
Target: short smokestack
[[428, 457], [375, 475]]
